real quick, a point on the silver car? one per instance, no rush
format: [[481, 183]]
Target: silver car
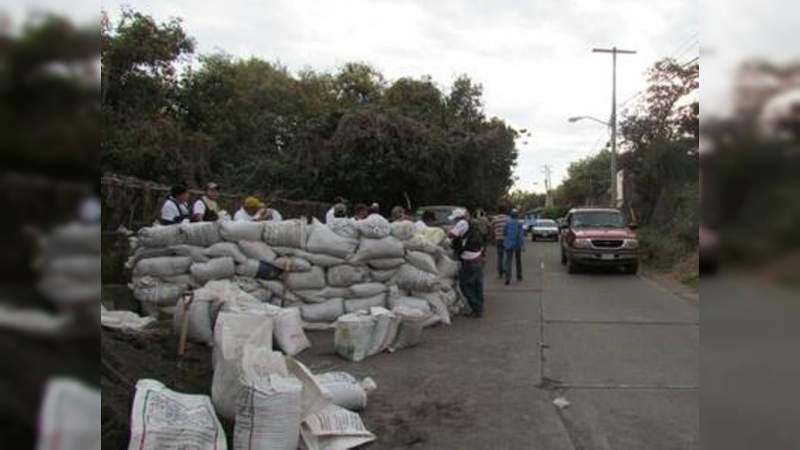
[[545, 229]]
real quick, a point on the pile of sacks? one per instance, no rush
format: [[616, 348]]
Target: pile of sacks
[[276, 402], [326, 271]]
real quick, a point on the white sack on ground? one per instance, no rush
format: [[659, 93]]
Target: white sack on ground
[[410, 302], [422, 261], [231, 332], [215, 269], [165, 419], [345, 390], [258, 250], [327, 311], [268, 414], [370, 249], [403, 229], [145, 253], [385, 332], [323, 240], [123, 320], [374, 226], [315, 396], [248, 269], [447, 266], [386, 263], [299, 281], [437, 304], [334, 428], [289, 334], [198, 254], [409, 332], [364, 304], [344, 227], [411, 279], [69, 418], [383, 276], [160, 236], [286, 233], [353, 336], [164, 266], [292, 264], [204, 307], [345, 275], [201, 234], [235, 231], [222, 249], [368, 289], [155, 292]]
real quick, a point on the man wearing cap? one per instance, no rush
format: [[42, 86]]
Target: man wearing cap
[[329, 216], [468, 245], [206, 208], [175, 208], [252, 210], [513, 242]]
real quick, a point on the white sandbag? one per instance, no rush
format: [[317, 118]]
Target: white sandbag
[[201, 234], [315, 396], [286, 233], [321, 260], [313, 279], [164, 266], [327, 311], [144, 253], [353, 336], [346, 391], [383, 276], [362, 290], [247, 284], [447, 266], [422, 261], [215, 269], [160, 236], [345, 275], [292, 264], [344, 227], [284, 251], [364, 304], [202, 311], [258, 250], [198, 254], [432, 320], [289, 333], [411, 279], [269, 413], [70, 416], [222, 249], [334, 428], [184, 280], [123, 320], [276, 287], [429, 241], [165, 419], [235, 231], [386, 264], [311, 296], [374, 226], [403, 229], [385, 248], [262, 295], [323, 240], [231, 332], [409, 332], [155, 292], [385, 332], [411, 302], [437, 304], [248, 269]]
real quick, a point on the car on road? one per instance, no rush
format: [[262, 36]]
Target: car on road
[[544, 229], [599, 237], [442, 213]]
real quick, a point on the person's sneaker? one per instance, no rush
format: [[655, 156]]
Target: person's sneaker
[[508, 282]]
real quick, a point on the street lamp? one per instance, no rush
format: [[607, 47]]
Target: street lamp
[[577, 118], [613, 152]]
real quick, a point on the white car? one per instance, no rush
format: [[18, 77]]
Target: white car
[[545, 229]]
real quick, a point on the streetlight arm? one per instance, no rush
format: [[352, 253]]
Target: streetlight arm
[[575, 119]]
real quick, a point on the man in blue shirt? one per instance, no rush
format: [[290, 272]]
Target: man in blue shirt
[[513, 241]]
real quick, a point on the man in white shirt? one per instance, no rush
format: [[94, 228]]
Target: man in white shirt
[[206, 208], [252, 210], [467, 243], [175, 208]]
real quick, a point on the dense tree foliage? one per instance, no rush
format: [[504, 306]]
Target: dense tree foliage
[[253, 125]]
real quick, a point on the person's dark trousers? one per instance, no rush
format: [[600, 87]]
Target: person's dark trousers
[[510, 254], [501, 253], [470, 279]]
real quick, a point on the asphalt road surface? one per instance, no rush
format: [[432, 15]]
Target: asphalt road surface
[[621, 349]]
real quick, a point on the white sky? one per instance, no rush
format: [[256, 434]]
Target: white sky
[[533, 58]]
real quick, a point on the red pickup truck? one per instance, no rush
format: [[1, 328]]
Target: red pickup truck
[[598, 237]]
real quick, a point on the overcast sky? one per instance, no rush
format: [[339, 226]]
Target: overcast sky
[[533, 58]]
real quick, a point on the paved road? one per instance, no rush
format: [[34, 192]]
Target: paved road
[[621, 349]]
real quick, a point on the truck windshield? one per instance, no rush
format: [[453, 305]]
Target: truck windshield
[[598, 220]]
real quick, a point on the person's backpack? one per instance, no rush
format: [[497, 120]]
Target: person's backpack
[[210, 215], [180, 218], [472, 241]]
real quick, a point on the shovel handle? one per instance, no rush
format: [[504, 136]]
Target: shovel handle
[[187, 302]]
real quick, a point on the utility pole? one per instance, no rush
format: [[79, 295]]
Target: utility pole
[[548, 202], [614, 52]]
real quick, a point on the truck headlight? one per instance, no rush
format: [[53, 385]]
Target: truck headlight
[[581, 243], [631, 243]]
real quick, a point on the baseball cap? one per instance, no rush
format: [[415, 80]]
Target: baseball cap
[[212, 186], [252, 202]]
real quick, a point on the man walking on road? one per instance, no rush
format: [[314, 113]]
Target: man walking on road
[[498, 226], [468, 246], [513, 242]]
